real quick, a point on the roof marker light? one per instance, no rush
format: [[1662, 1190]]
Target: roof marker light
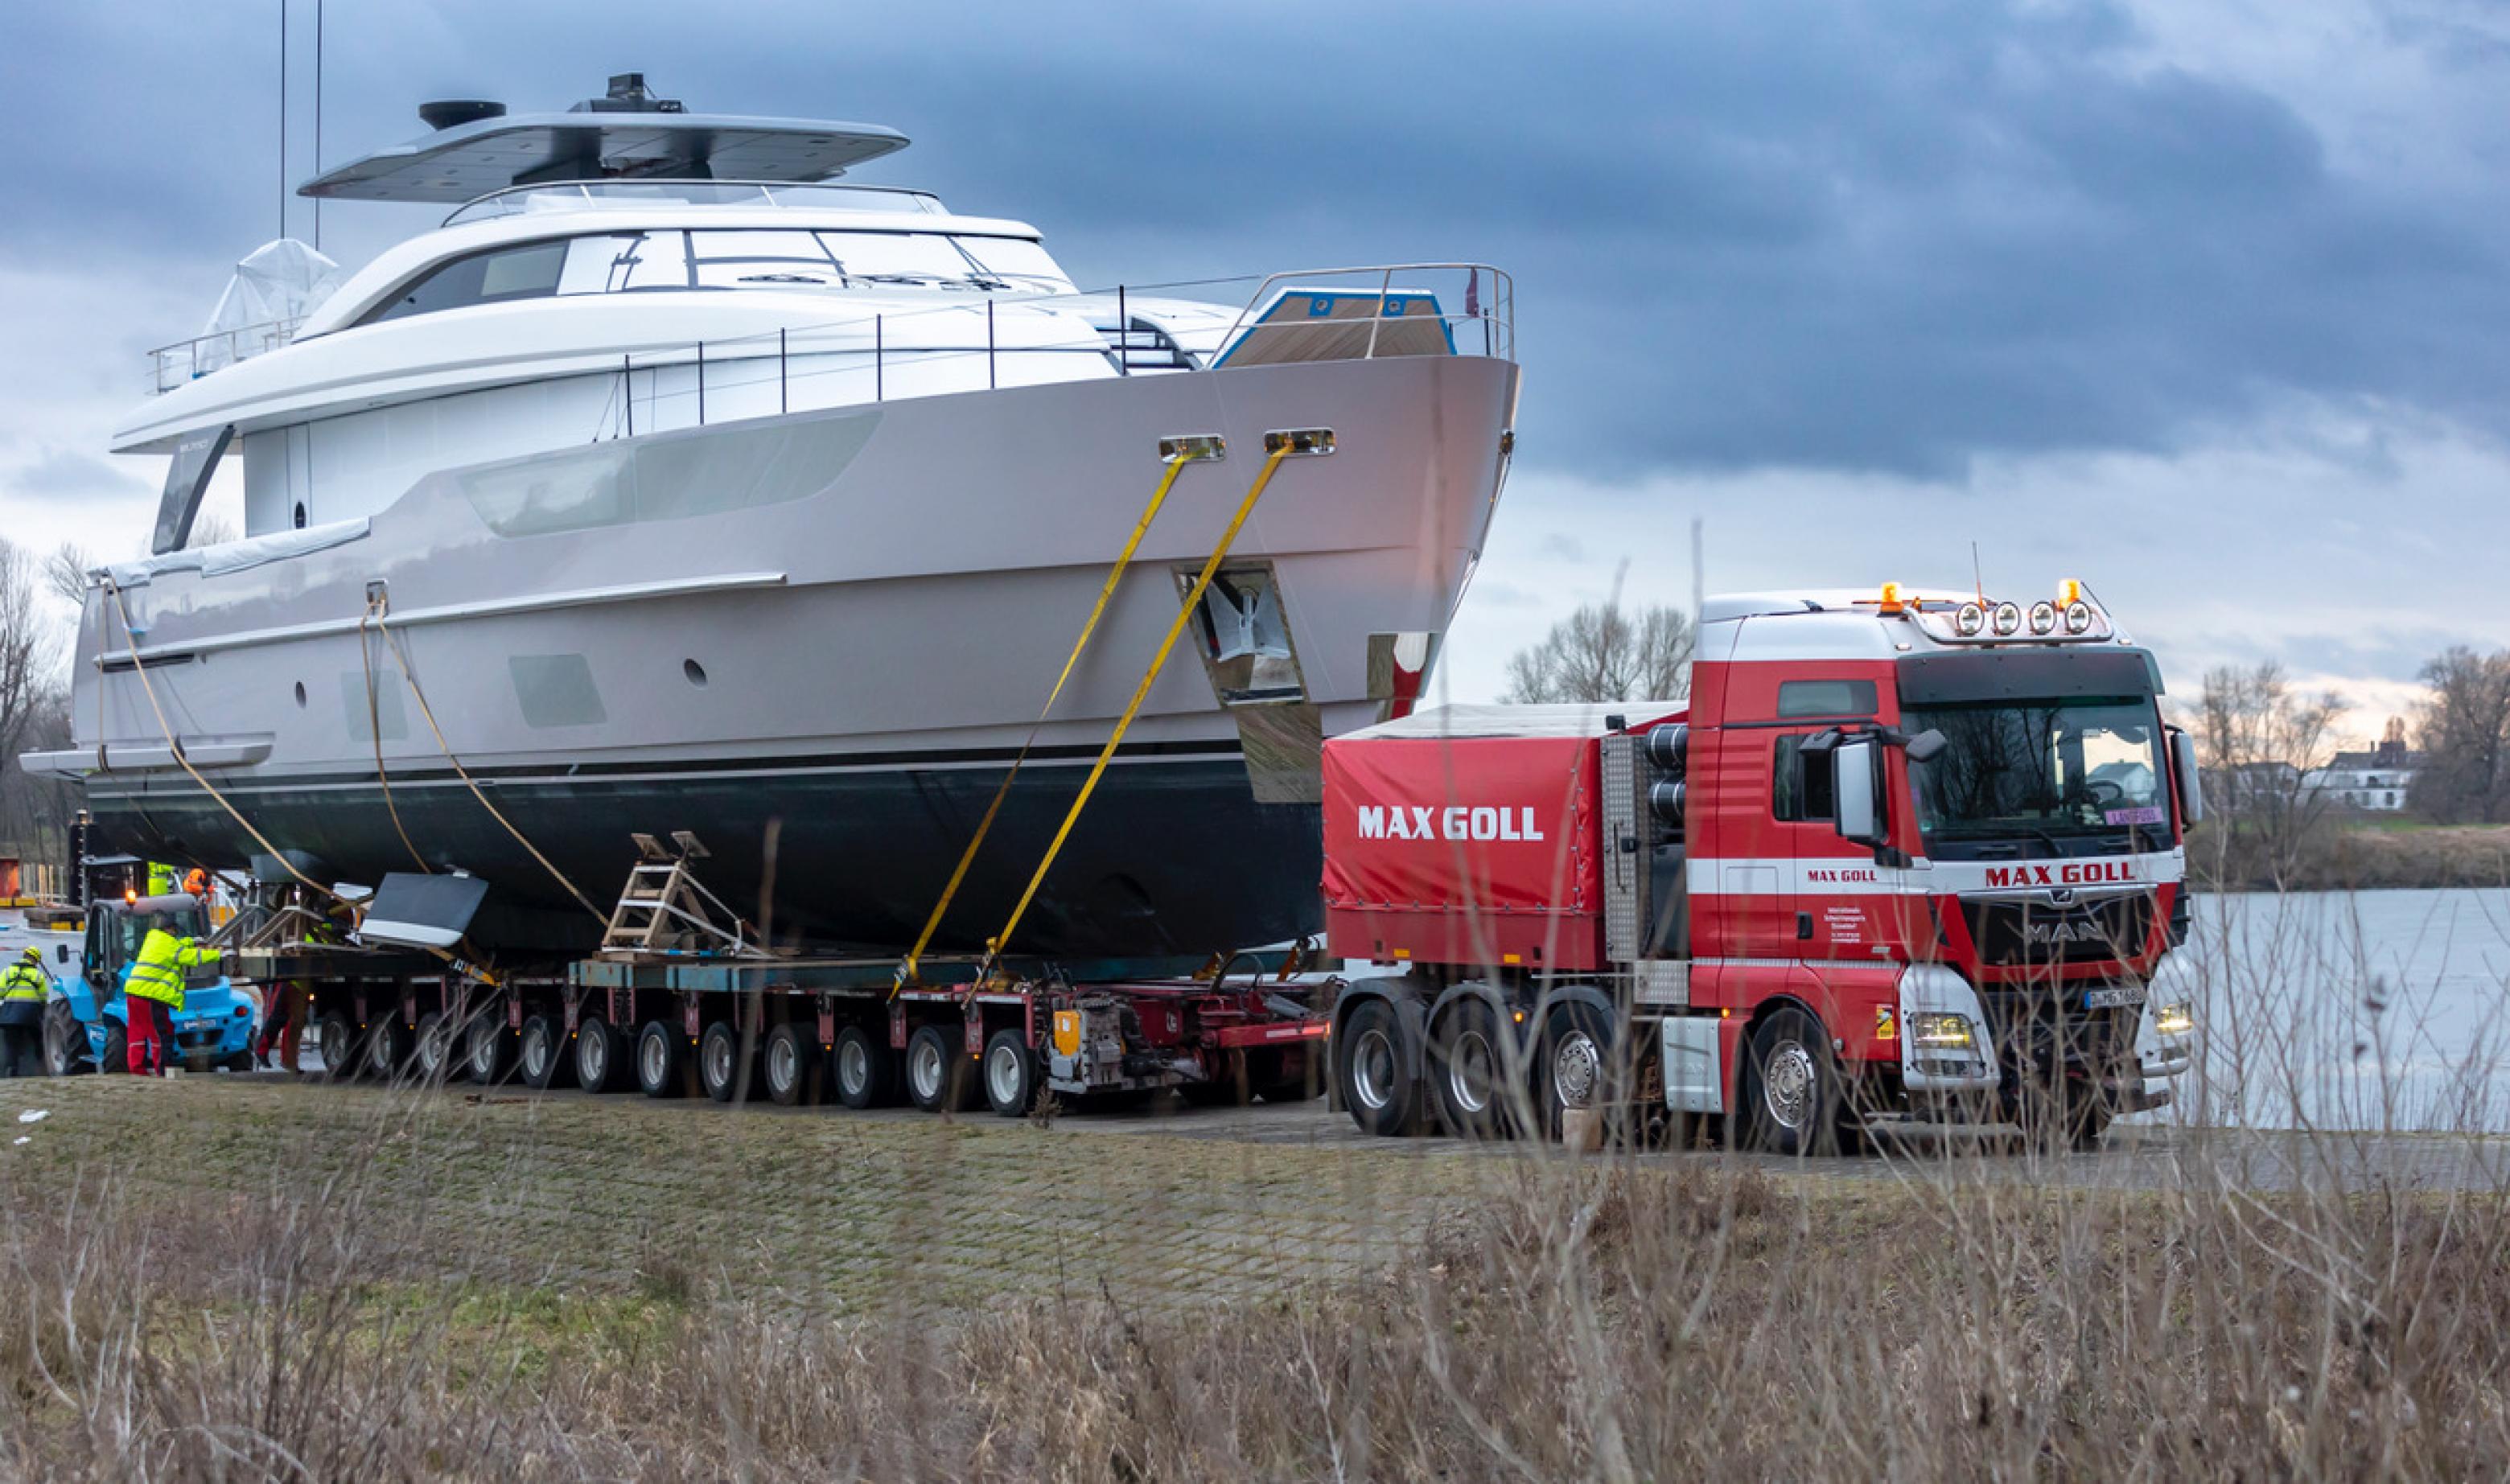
[[2079, 617], [1970, 620], [2008, 619], [2043, 617]]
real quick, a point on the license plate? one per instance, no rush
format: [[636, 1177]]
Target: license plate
[[2114, 998]]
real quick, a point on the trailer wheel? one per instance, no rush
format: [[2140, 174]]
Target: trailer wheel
[[337, 1037], [388, 1045], [936, 1074], [544, 1053], [1791, 1090], [65, 1043], [720, 1065], [866, 1070], [487, 1052], [658, 1060], [600, 1055], [1010, 1074], [1369, 1061], [435, 1051], [1468, 1084]]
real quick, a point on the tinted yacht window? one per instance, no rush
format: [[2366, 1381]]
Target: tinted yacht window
[[494, 277]]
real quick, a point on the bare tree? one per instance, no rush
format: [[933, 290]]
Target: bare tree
[[66, 573], [1602, 652], [209, 531], [23, 650], [2466, 725], [2258, 738]]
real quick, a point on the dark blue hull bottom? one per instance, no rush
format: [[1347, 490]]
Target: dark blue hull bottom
[[1174, 855]]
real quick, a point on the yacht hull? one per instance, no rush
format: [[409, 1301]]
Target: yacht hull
[[682, 632]]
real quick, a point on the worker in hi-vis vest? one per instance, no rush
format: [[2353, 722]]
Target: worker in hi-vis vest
[[163, 879], [154, 991], [23, 989]]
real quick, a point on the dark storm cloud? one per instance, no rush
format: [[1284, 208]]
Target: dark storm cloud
[[1859, 236]]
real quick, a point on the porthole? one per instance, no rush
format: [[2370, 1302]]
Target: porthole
[[695, 671], [300, 695], [300, 516]]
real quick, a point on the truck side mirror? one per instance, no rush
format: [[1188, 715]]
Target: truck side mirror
[[61, 952], [2191, 784], [1927, 745], [1856, 788]]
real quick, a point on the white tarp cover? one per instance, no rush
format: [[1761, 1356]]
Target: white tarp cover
[[276, 284]]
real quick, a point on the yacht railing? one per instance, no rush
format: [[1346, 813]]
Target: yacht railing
[[172, 365], [1478, 320], [1483, 325], [516, 199]]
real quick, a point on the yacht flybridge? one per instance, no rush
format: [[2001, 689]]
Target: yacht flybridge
[[671, 484]]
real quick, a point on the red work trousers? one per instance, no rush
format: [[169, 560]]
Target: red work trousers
[[150, 1033], [283, 1022]]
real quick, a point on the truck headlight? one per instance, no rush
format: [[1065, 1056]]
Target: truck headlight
[[1941, 1032], [2174, 1020]]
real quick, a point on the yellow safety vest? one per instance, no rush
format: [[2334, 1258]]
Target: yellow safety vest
[[162, 880], [24, 981], [158, 973]]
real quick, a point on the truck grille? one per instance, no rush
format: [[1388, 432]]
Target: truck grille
[[2041, 1031], [2010, 930]]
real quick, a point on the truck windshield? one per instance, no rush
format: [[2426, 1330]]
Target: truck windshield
[[2077, 775]]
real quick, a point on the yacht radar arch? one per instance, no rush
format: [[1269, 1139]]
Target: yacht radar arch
[[479, 148]]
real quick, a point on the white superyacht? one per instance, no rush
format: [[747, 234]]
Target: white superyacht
[[681, 489]]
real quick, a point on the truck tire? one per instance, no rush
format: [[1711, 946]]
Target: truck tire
[[432, 1057], [1468, 1084], [866, 1071], [1791, 1090], [1578, 1065], [722, 1069], [115, 1059], [602, 1056], [1369, 1061], [65, 1043], [544, 1054], [387, 1048], [336, 1036], [487, 1051], [937, 1079], [1010, 1074], [658, 1061], [785, 1065]]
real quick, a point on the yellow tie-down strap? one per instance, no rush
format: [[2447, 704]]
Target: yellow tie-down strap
[[1282, 449], [1188, 451]]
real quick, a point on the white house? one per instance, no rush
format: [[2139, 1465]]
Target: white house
[[2375, 779]]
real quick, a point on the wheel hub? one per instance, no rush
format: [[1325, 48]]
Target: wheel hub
[[1787, 1086], [1470, 1069], [1372, 1069], [854, 1067], [1577, 1070], [1003, 1076]]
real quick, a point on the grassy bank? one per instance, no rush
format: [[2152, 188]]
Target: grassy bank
[[216, 1281], [2350, 856]]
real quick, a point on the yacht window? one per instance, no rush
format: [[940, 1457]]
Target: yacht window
[[502, 274], [926, 258], [651, 260], [762, 260], [1024, 262]]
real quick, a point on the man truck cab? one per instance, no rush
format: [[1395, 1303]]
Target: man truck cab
[[1896, 855]]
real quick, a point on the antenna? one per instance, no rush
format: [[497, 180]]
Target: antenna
[[1978, 574]]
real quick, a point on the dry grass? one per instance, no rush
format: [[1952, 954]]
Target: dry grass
[[208, 1279]]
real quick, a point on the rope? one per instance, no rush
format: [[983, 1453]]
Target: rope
[[1177, 462], [483, 973], [1132, 708], [375, 734], [392, 645]]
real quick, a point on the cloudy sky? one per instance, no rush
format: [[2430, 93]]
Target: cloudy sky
[[2206, 303]]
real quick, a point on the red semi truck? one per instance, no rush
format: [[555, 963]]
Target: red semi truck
[[1896, 857]]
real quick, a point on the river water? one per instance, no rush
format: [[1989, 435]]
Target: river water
[[2365, 1010]]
